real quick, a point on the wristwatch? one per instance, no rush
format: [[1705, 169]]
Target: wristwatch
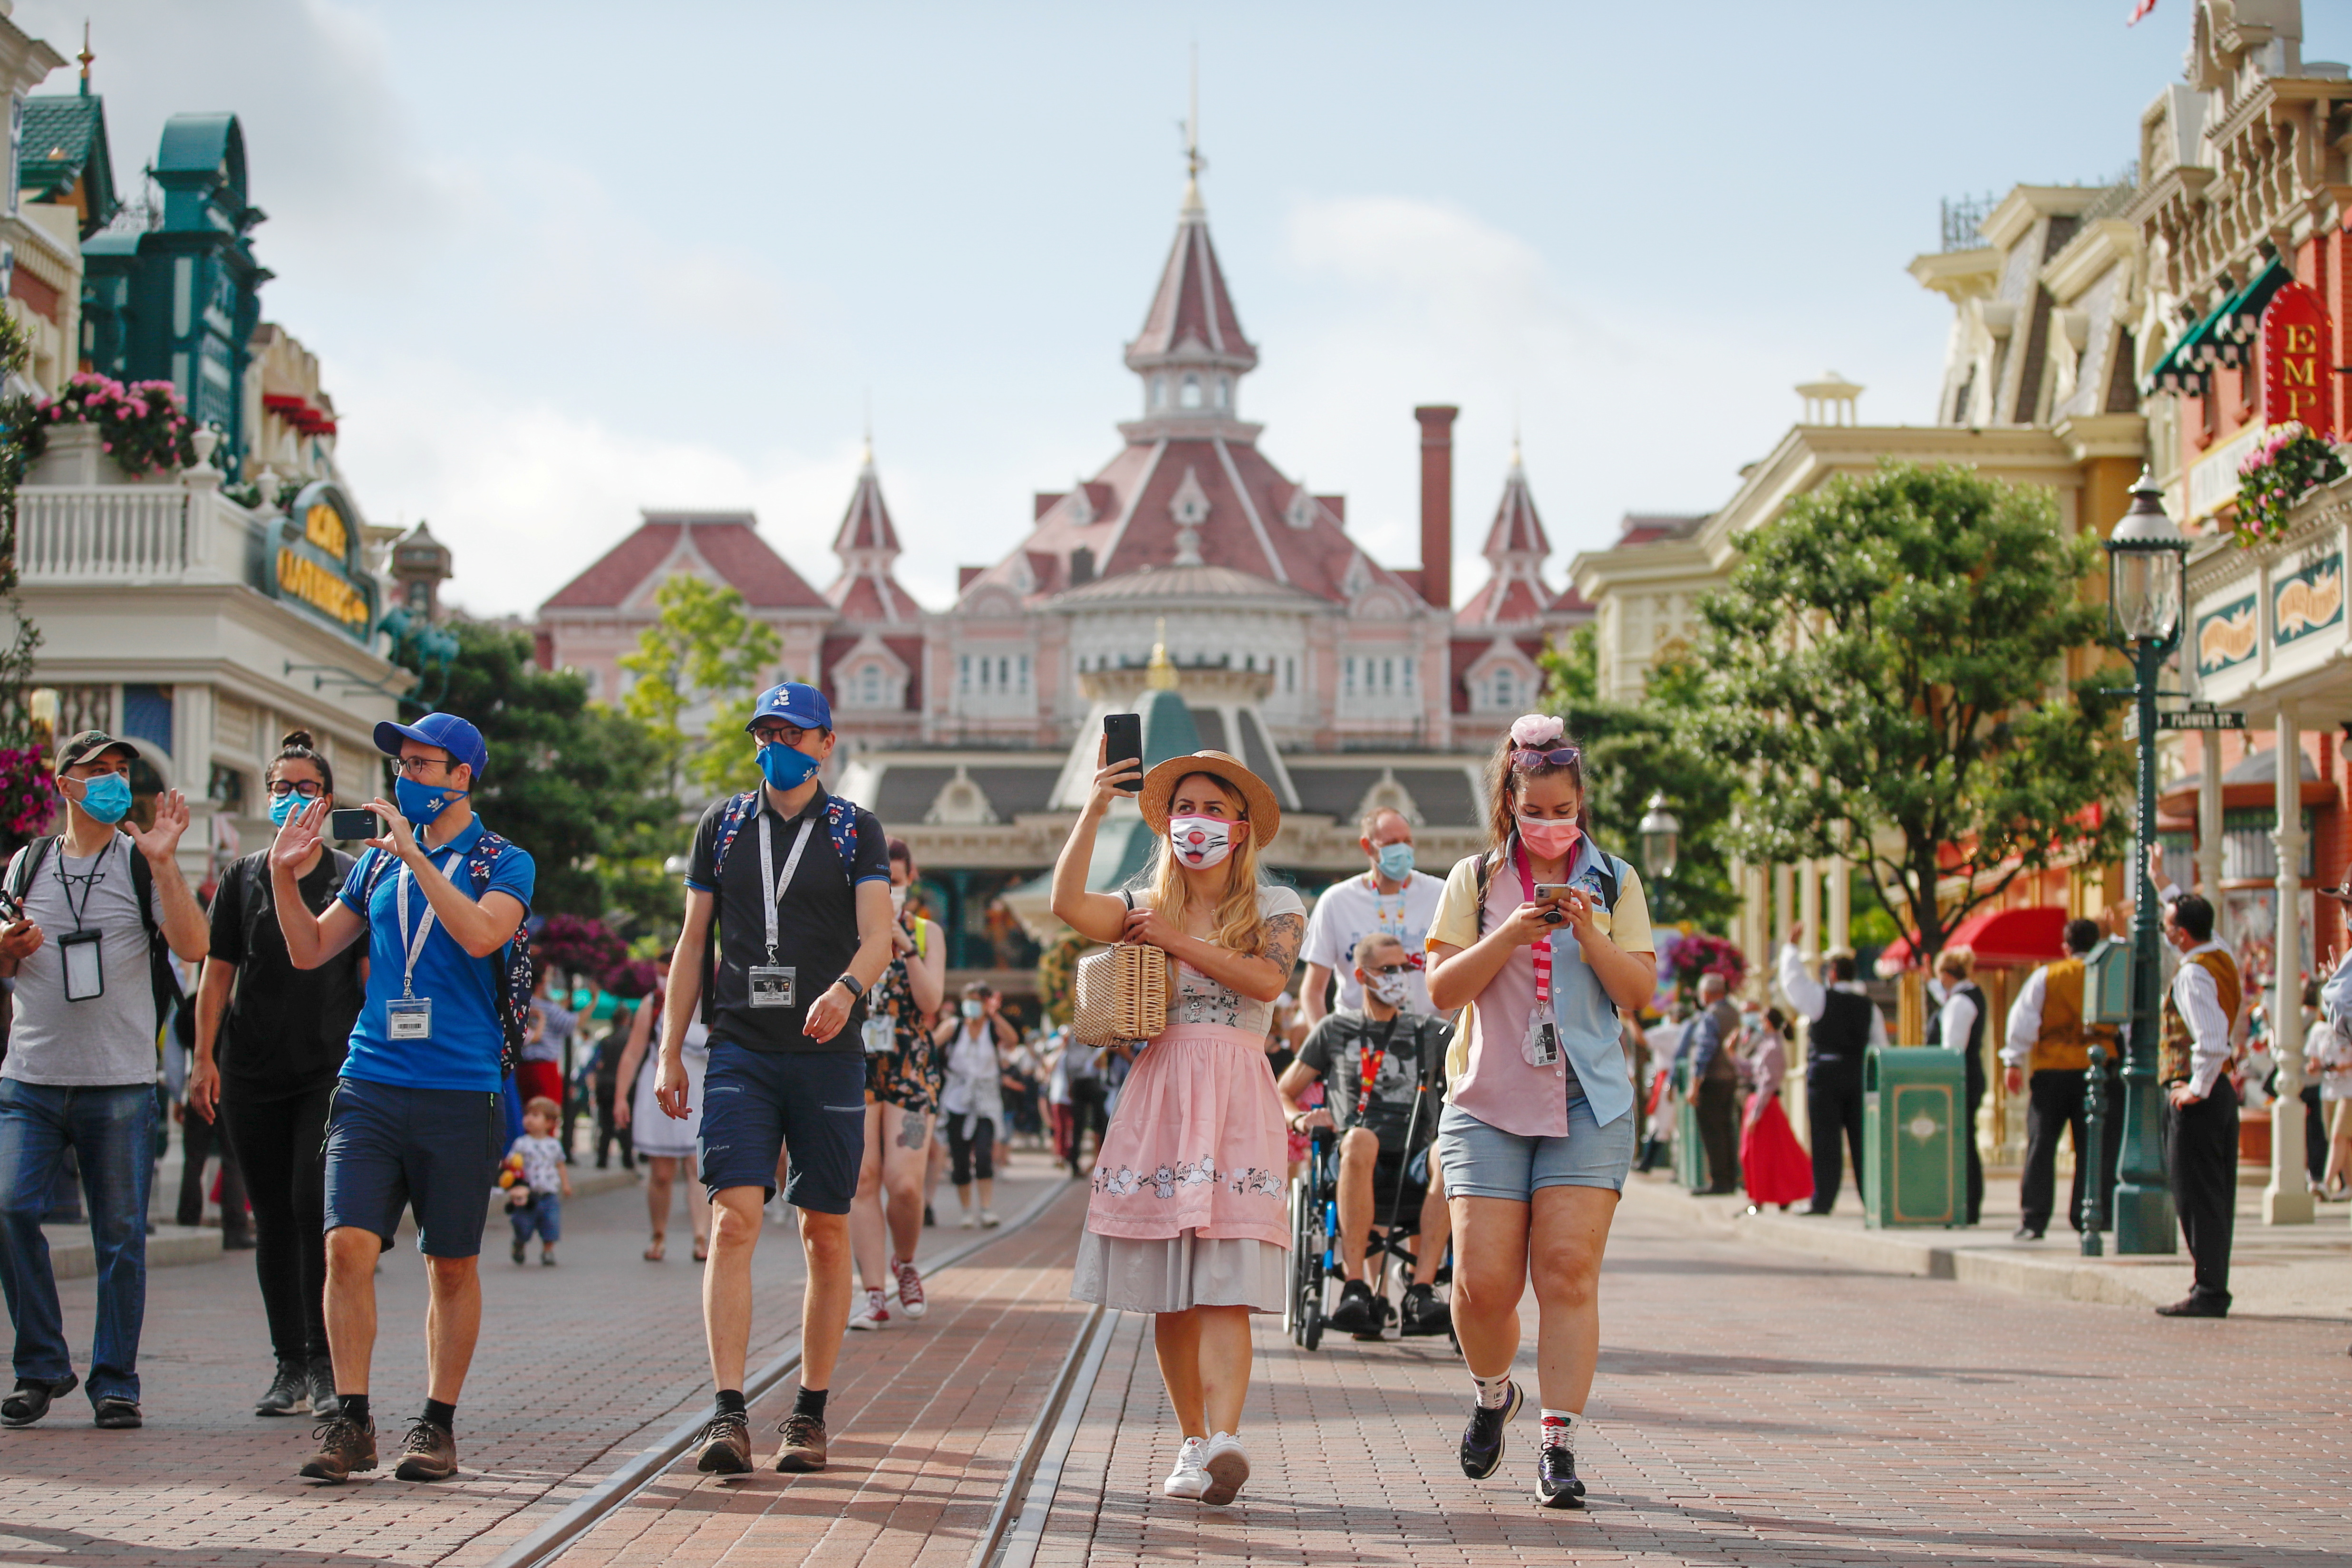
[[855, 990]]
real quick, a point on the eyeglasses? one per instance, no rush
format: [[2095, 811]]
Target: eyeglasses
[[281, 789], [1558, 757], [415, 766], [779, 734]]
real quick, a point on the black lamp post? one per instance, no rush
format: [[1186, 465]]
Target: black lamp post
[[2148, 591], [1661, 837]]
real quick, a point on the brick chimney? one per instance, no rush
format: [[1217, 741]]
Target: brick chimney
[[1437, 502]]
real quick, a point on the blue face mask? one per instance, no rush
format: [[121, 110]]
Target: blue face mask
[[1396, 861], [786, 767], [422, 802], [282, 808], [106, 798]]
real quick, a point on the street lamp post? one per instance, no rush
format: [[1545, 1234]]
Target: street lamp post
[[2148, 586], [1661, 837]]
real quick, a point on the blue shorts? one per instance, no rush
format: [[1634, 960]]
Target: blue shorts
[[757, 1104], [390, 1148], [1483, 1161]]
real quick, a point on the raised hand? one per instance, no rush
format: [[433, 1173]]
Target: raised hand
[[161, 841], [1120, 780], [299, 837], [396, 838]]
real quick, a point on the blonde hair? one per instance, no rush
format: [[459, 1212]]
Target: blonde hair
[[1959, 963], [1239, 926]]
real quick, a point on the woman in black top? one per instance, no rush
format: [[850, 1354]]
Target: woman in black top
[[270, 1042]]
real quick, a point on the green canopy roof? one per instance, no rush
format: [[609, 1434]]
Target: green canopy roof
[[2224, 337]]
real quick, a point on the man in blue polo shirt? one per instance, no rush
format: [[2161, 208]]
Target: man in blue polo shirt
[[415, 1119], [798, 884]]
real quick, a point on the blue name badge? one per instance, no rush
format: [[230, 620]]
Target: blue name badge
[[409, 1018]]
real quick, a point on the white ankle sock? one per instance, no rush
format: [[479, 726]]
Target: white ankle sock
[[1559, 1429], [1494, 1393]]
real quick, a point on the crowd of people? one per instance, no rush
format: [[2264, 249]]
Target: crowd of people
[[370, 1040]]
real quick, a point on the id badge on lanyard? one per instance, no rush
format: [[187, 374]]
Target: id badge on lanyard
[[409, 1016], [879, 1035], [85, 969], [1540, 1047], [774, 984]]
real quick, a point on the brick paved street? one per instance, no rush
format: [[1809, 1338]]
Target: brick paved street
[[1752, 1408]]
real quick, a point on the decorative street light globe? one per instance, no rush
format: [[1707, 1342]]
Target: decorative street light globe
[[2147, 557], [1661, 837]]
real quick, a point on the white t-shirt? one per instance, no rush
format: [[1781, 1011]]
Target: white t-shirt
[[1350, 910]]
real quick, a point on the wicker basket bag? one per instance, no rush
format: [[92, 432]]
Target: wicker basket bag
[[1121, 995]]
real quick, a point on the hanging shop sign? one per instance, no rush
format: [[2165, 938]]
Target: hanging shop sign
[[315, 560], [2307, 601], [2295, 365], [2226, 635]]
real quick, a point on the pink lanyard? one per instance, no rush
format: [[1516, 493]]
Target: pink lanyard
[[1542, 952]]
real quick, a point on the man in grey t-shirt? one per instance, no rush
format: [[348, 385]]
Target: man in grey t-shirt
[[81, 1070]]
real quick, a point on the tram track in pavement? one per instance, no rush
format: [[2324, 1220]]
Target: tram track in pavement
[[1041, 1449]]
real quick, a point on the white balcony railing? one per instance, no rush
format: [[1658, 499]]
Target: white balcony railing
[[129, 534]]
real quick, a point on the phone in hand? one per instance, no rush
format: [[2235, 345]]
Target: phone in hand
[[1548, 893], [1123, 742], [356, 822]]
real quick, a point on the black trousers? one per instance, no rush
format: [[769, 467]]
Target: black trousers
[[1968, 1130], [1086, 1095], [281, 1144], [2315, 1134], [2201, 1155], [1718, 1120], [2056, 1098], [606, 1133], [199, 1141], [975, 1155], [1833, 1110]]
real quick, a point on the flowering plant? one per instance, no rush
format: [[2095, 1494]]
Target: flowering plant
[[142, 424], [29, 797], [2274, 476], [1698, 955], [579, 946]]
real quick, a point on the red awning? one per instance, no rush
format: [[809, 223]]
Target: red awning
[[2001, 938]]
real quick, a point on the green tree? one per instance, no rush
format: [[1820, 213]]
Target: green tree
[[705, 652], [576, 784], [1886, 671], [1634, 750]]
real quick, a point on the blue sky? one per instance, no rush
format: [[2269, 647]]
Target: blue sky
[[562, 261]]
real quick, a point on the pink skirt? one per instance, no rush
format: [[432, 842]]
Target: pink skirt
[[1197, 1143]]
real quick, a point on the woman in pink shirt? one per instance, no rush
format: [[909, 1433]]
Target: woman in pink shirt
[[1544, 936]]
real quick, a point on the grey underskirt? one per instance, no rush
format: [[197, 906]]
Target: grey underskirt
[[1173, 1273]]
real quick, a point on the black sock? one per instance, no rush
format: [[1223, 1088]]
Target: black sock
[[810, 1403], [730, 1401], [353, 1407], [442, 1415]]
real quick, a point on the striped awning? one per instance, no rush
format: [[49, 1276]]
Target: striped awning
[[2225, 338]]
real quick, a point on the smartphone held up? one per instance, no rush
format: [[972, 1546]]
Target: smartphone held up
[[1123, 742]]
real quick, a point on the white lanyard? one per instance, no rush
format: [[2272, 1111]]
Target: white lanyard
[[416, 947], [768, 883], [1381, 919]]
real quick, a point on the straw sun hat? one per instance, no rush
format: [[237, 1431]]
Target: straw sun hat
[[1160, 783]]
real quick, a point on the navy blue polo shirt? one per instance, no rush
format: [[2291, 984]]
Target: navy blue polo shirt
[[468, 1039]]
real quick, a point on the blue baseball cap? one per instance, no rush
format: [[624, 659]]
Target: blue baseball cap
[[446, 731], [796, 703]]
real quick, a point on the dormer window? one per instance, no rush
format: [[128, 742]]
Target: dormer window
[[1224, 391], [1159, 391], [869, 685], [1190, 397]]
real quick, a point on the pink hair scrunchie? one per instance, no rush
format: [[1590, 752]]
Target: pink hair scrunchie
[[1538, 729]]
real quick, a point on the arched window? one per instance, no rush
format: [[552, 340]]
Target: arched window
[[1190, 397]]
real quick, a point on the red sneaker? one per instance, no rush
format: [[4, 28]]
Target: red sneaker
[[910, 1287]]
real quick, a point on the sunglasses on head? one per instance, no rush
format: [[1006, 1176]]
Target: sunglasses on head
[[1558, 757]]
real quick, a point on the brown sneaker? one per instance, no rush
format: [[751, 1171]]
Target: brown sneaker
[[344, 1447], [725, 1442], [804, 1450], [429, 1453]]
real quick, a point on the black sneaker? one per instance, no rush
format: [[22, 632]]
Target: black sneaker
[[1556, 1482], [1355, 1314], [324, 1401], [1482, 1440], [1425, 1314], [289, 1391], [724, 1445]]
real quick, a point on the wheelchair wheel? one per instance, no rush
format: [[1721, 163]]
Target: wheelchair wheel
[[1310, 1322]]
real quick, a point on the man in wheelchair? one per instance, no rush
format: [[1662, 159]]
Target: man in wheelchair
[[1378, 1062]]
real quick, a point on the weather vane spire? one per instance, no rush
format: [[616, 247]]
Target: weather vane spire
[[85, 57], [1194, 162]]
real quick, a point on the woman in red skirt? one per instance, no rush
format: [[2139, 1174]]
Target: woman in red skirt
[[1775, 1167]]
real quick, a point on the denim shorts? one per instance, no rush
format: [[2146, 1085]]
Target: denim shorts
[[1483, 1161], [756, 1104], [390, 1147]]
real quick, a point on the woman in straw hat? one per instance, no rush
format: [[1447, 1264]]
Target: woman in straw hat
[[1188, 1217]]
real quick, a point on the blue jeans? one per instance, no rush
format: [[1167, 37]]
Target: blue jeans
[[112, 1133]]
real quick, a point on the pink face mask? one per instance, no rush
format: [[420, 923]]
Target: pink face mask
[[1550, 836]]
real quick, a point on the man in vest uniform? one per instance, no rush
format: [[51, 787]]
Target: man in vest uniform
[[1959, 1025], [1845, 1024], [2201, 1104], [2047, 1057]]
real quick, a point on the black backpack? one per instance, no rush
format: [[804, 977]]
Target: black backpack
[[161, 980]]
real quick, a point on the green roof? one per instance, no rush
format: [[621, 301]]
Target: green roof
[[64, 144]]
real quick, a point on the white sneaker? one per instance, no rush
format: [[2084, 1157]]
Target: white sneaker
[[1188, 1479], [988, 1219], [966, 1222], [1228, 1468], [873, 1312]]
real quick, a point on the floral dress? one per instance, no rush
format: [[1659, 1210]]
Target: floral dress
[[1190, 1191], [905, 1072]]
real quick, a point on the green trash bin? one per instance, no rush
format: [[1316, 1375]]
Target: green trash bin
[[1913, 1117]]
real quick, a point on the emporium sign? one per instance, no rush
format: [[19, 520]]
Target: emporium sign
[[315, 560], [2296, 368]]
